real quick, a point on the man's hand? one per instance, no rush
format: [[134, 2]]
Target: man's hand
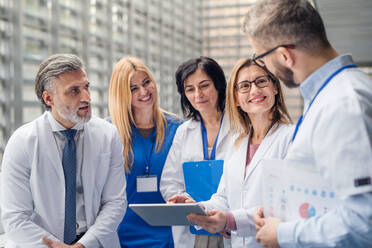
[[180, 199], [258, 218], [214, 221], [266, 236], [55, 244]]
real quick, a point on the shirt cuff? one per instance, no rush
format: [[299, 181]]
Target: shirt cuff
[[285, 234], [244, 223], [89, 240], [230, 222]]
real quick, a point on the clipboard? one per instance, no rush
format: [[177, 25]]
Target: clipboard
[[163, 214], [201, 182]]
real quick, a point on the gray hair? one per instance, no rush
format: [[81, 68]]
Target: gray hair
[[276, 22], [50, 69]]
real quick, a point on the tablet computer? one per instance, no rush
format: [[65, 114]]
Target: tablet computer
[[164, 214]]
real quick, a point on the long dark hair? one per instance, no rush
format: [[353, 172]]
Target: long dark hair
[[213, 70]]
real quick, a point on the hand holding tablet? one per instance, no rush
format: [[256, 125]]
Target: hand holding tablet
[[164, 214]]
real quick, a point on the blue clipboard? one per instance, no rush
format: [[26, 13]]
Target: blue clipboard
[[201, 182]]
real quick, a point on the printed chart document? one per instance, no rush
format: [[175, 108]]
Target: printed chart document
[[291, 190], [165, 214]]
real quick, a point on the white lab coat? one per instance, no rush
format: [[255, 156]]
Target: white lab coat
[[240, 195], [187, 146], [335, 138], [33, 185]]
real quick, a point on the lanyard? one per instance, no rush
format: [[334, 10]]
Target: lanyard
[[205, 142], [299, 122], [147, 155]]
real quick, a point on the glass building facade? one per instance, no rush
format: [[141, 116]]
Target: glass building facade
[[161, 33]]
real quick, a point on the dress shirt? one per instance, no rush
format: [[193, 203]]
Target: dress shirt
[[81, 223]]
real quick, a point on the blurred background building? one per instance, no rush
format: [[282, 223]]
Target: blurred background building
[[163, 33], [224, 40]]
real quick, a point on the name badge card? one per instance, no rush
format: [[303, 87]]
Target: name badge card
[[147, 183]]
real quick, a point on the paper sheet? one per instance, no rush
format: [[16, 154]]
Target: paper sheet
[[292, 191]]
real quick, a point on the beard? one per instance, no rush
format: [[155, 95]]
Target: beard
[[285, 75], [72, 114]]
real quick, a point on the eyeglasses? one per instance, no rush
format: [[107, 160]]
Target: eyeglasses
[[260, 82], [258, 59]]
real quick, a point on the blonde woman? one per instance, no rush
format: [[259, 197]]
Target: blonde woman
[[147, 133], [261, 126]]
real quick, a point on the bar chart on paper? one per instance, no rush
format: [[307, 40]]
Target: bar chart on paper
[[291, 193]]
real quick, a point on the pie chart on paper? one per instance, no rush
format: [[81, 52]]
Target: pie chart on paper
[[307, 211]]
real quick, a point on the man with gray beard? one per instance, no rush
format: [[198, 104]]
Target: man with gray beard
[[63, 182]]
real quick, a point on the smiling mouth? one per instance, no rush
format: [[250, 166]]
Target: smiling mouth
[[258, 100], [145, 99]]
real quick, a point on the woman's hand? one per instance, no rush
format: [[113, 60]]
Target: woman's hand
[[180, 199], [214, 221]]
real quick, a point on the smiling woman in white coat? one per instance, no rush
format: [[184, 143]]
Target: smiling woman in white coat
[[261, 126], [202, 86]]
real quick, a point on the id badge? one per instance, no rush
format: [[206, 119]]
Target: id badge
[[147, 183]]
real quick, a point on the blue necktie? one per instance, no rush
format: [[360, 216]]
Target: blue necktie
[[69, 170]]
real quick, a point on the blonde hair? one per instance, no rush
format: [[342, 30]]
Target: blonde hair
[[239, 120], [120, 108]]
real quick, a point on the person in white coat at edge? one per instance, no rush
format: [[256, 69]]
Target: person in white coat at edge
[[334, 134], [202, 86], [63, 192], [261, 126]]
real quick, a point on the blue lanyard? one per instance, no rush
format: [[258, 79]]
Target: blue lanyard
[[147, 155], [205, 142], [299, 122]]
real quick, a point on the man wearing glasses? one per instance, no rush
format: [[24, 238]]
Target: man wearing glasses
[[334, 134]]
